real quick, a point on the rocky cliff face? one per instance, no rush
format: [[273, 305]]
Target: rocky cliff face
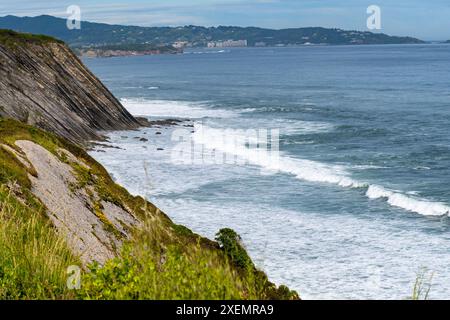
[[58, 206], [93, 233], [44, 84]]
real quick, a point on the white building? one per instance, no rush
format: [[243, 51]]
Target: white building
[[180, 44], [227, 44]]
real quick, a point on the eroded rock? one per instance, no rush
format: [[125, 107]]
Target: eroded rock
[[74, 212]]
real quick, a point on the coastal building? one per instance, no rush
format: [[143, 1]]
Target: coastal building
[[227, 44], [180, 44]]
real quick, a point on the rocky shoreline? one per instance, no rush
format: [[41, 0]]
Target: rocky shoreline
[[99, 53]]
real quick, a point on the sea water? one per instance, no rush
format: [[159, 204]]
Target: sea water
[[359, 202]]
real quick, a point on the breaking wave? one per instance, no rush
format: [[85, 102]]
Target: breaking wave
[[312, 171]]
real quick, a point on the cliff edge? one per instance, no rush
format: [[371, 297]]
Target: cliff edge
[[43, 83], [60, 209]]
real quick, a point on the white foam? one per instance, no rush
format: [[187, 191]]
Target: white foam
[[305, 127], [292, 127], [368, 166], [314, 171], [207, 52], [249, 110], [279, 109], [175, 109], [397, 199], [303, 169]]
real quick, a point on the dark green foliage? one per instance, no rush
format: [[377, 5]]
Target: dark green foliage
[[182, 230], [231, 243]]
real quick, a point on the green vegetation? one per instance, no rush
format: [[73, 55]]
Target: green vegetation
[[162, 260], [12, 130], [146, 270], [94, 34], [11, 38], [33, 256], [12, 170], [124, 49], [422, 286], [134, 47], [231, 243]]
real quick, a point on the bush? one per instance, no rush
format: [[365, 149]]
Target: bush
[[161, 261], [231, 243], [146, 271]]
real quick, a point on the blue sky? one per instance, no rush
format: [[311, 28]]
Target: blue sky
[[428, 20]]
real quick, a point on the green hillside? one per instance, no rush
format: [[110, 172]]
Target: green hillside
[[161, 260], [99, 34]]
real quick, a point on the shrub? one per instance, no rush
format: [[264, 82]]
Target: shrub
[[148, 271], [231, 243]]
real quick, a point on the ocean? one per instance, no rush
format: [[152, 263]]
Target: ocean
[[358, 204]]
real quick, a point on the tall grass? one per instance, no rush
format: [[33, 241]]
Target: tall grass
[[33, 257], [422, 285], [162, 261], [149, 271]]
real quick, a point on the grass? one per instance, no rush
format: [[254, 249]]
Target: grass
[[12, 170], [33, 256], [12, 38], [170, 273], [422, 285], [147, 270], [162, 261], [156, 266]]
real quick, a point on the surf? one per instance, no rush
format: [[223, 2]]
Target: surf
[[308, 170]]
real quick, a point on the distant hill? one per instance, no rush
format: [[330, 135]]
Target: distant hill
[[99, 34]]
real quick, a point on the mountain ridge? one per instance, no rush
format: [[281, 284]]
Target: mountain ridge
[[99, 34]]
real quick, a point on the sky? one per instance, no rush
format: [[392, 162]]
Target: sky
[[425, 19]]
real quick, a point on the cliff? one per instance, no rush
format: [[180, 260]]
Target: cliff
[[60, 209], [42, 83]]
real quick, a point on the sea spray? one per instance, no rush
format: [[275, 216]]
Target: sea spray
[[173, 109], [233, 143]]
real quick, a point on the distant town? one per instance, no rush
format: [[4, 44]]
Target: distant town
[[234, 44], [104, 40], [227, 44]]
